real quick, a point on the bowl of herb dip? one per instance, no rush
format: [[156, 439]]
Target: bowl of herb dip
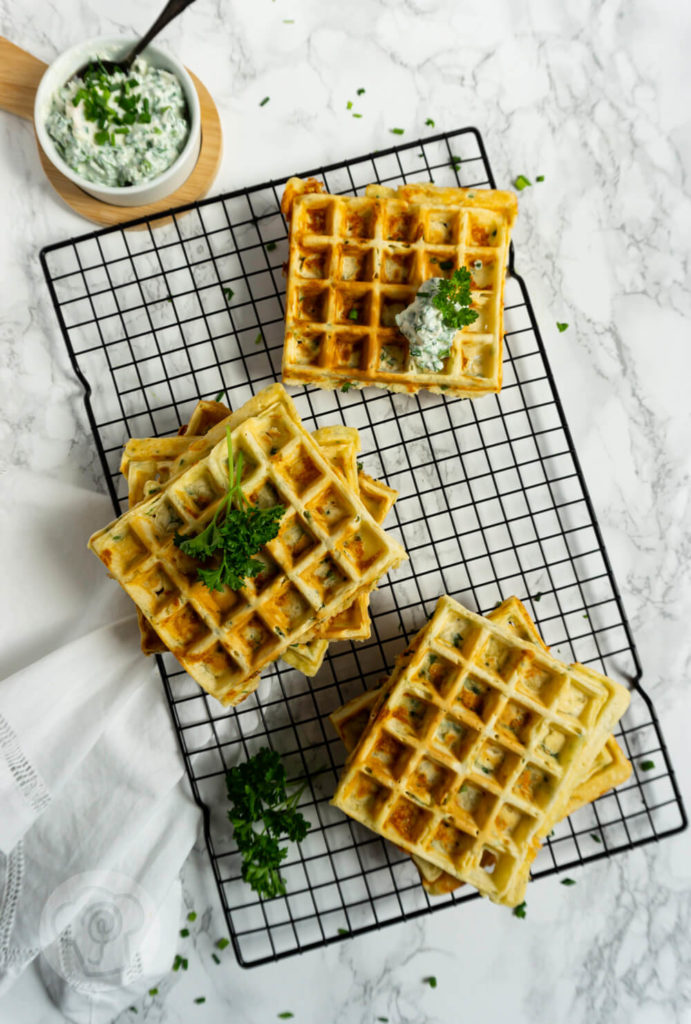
[[127, 138]]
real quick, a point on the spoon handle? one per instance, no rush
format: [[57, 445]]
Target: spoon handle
[[170, 11]]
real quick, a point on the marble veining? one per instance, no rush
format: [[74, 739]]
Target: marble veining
[[592, 94]]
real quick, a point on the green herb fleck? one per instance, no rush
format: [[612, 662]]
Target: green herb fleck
[[453, 299], [540, 177], [361, 92], [646, 766], [229, 293], [343, 931], [258, 340], [236, 538], [345, 388], [429, 123], [180, 961], [520, 910], [184, 932], [288, 21], [562, 327], [257, 792], [431, 981], [153, 991], [522, 182], [218, 398], [353, 315], [264, 101], [567, 881], [397, 131], [215, 958], [455, 162], [359, 467], [357, 115], [595, 837], [270, 246], [286, 1015], [538, 597], [223, 943], [349, 105], [384, 1020], [200, 999]]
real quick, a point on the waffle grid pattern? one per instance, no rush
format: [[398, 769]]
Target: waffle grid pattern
[[356, 262], [492, 503]]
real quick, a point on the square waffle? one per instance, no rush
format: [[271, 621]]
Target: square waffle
[[475, 748], [313, 569], [146, 465], [357, 261], [610, 767]]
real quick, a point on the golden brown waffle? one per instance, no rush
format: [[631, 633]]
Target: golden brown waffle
[[357, 261], [314, 567], [146, 465], [475, 748], [610, 767]]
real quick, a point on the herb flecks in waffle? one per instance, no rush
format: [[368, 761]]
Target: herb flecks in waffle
[[473, 786], [356, 262], [225, 638]]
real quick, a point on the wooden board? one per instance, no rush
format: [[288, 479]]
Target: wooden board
[[20, 74]]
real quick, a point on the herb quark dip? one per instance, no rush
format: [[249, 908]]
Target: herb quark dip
[[423, 325], [120, 129]]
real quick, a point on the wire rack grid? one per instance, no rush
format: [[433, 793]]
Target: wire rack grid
[[492, 503]]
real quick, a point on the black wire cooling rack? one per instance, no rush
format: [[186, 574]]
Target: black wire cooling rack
[[492, 503]]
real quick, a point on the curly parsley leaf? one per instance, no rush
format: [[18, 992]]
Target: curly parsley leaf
[[233, 539], [453, 300], [262, 814]]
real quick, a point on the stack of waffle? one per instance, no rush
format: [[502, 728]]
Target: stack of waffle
[[319, 571], [476, 746], [357, 261]]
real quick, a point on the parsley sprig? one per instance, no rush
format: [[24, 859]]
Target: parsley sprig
[[236, 537], [453, 300], [257, 791]]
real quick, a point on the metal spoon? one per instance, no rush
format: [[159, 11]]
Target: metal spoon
[[169, 12]]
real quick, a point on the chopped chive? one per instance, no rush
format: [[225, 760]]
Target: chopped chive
[[288, 21], [286, 1015], [200, 999], [384, 1020], [455, 162], [567, 881], [180, 961], [184, 932], [562, 327], [540, 177], [646, 766], [229, 293], [522, 182], [153, 991], [520, 910], [346, 387], [215, 958], [429, 123], [349, 105], [397, 131], [357, 115], [258, 340], [341, 931], [264, 101], [361, 92], [353, 315], [270, 246], [192, 916], [222, 943], [431, 981], [538, 597], [595, 837]]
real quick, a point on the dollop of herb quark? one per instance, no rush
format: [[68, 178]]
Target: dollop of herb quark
[[261, 815], [453, 300], [236, 533]]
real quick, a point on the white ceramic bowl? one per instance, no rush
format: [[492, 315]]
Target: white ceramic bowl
[[64, 67]]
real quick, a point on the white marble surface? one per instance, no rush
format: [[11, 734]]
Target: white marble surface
[[594, 95]]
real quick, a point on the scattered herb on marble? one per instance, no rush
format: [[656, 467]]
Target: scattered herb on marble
[[452, 298], [522, 182], [361, 92], [357, 115], [257, 791], [431, 981], [540, 177], [264, 101], [286, 1015], [562, 327], [215, 959], [567, 881], [200, 999], [429, 123], [349, 105], [647, 766], [180, 961], [153, 991], [192, 915], [520, 910], [236, 538], [184, 932], [288, 21], [397, 131], [384, 1020], [222, 943]]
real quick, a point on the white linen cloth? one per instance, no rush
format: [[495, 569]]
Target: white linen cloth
[[96, 818]]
